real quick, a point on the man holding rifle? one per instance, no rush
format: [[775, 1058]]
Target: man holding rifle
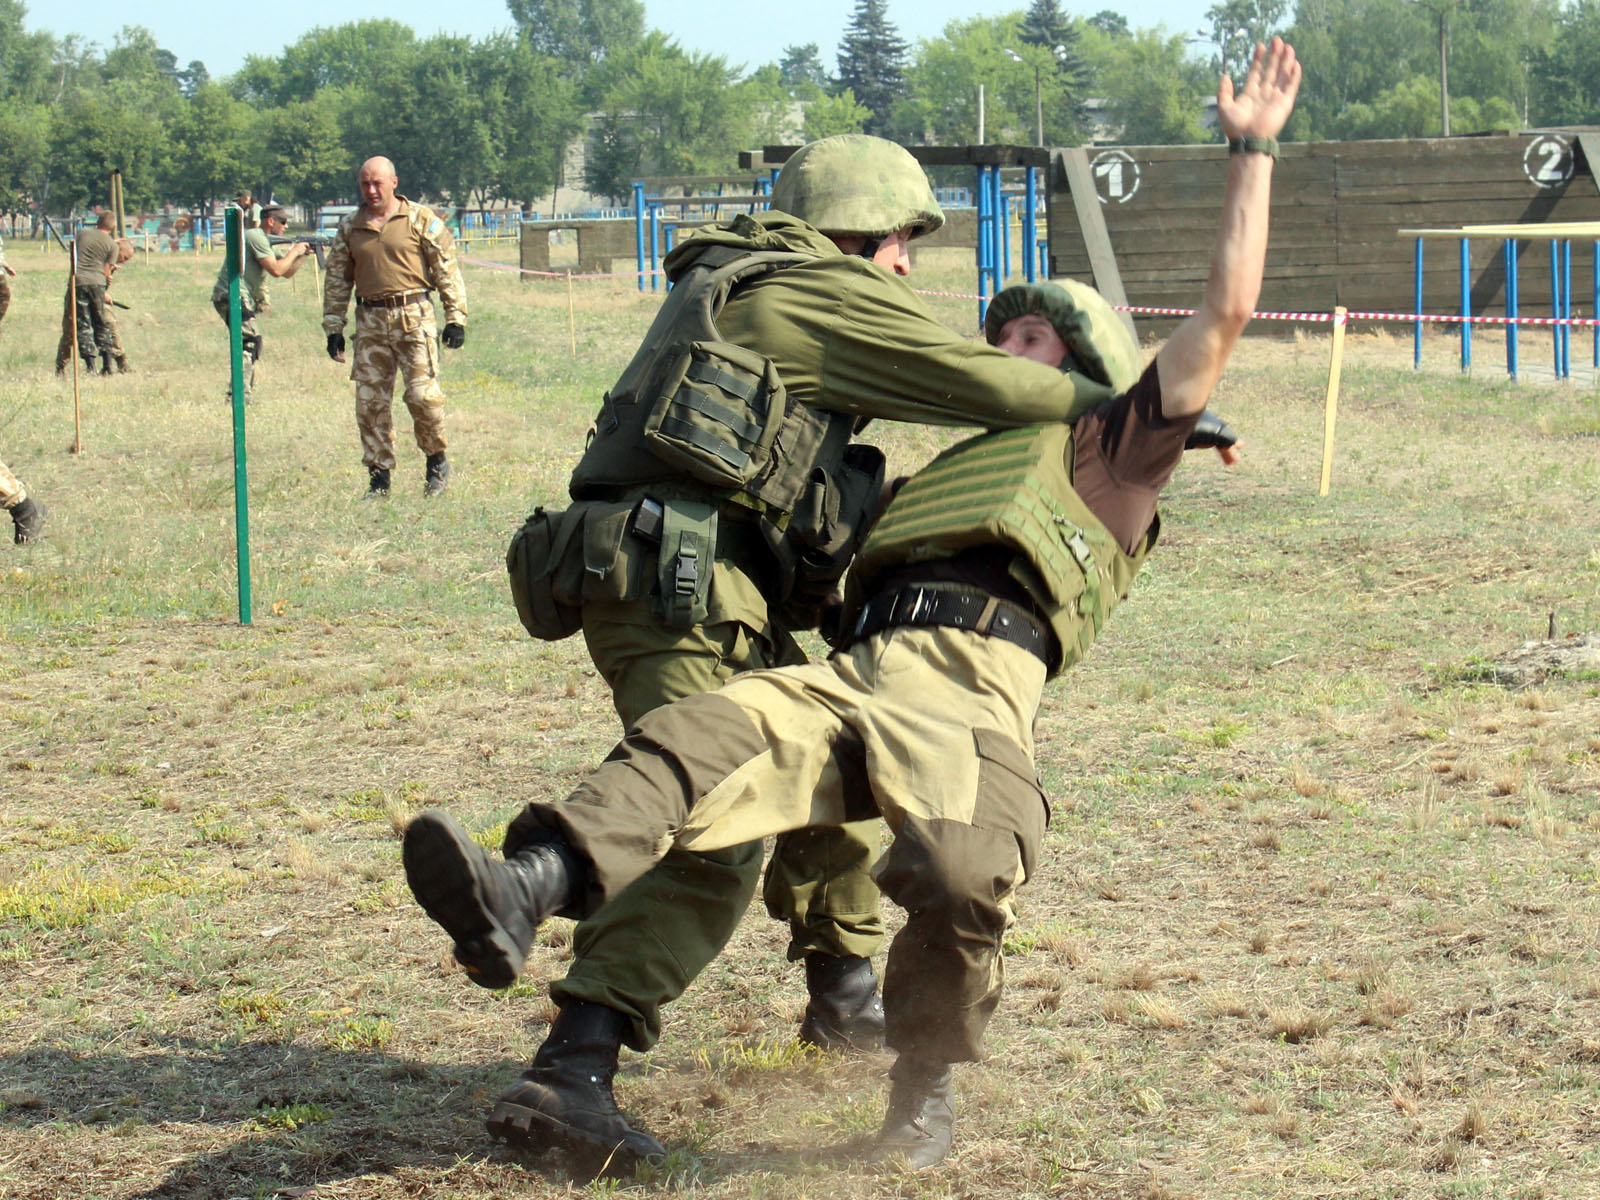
[[261, 257]]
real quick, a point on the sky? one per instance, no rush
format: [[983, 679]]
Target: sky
[[728, 31]]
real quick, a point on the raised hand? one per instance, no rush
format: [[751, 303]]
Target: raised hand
[[1262, 106]]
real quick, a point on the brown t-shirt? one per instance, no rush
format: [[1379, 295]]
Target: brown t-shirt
[[96, 249], [387, 261]]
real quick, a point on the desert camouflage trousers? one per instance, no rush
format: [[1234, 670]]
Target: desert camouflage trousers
[[249, 333], [12, 493], [96, 328], [406, 340], [5, 293], [933, 726]]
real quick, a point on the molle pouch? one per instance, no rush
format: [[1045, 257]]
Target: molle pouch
[[615, 555], [683, 570], [826, 529], [545, 573], [717, 414]]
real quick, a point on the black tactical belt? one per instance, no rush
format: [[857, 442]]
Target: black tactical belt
[[391, 301], [926, 605]]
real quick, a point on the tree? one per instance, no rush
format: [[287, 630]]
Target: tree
[[1046, 25], [1112, 24], [801, 70], [539, 117], [210, 147], [1154, 95], [1236, 27], [827, 115], [581, 33], [872, 62], [303, 157]]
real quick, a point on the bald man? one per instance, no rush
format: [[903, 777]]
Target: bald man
[[392, 253]]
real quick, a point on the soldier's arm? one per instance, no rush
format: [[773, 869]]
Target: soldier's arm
[[337, 283], [1191, 362], [444, 268]]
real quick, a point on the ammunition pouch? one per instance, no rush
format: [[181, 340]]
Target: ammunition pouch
[[544, 586], [683, 568], [717, 413], [828, 524]]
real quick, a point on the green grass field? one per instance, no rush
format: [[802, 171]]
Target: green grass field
[[1318, 913]]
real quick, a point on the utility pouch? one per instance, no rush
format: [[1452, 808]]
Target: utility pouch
[[545, 575], [614, 555], [717, 413], [683, 568], [825, 531]]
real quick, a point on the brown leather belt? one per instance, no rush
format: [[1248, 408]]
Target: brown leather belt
[[390, 301]]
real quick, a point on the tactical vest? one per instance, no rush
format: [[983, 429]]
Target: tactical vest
[[1012, 488], [695, 416]]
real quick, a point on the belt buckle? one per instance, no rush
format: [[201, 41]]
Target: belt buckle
[[920, 602]]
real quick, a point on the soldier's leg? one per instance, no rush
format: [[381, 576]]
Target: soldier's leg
[[5, 293], [118, 354], [12, 493], [419, 363], [69, 333], [86, 327], [27, 518], [373, 368]]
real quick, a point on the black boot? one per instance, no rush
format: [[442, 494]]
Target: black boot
[[437, 476], [845, 1012], [564, 1100], [921, 1121], [28, 518], [377, 483], [105, 364], [490, 907]]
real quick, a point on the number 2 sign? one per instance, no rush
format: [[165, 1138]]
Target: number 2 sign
[[1548, 161]]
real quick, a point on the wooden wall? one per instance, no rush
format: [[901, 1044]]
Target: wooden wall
[[1337, 209]]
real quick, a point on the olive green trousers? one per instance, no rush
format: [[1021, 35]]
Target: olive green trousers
[[930, 727], [647, 946]]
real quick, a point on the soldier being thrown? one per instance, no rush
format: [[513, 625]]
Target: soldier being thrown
[[932, 694], [392, 252]]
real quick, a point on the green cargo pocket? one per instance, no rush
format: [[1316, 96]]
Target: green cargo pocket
[[615, 559], [717, 414], [1009, 795], [543, 574]]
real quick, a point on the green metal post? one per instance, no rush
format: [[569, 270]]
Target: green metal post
[[241, 499]]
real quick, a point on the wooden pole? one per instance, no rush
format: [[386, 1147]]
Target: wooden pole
[[572, 320], [116, 199], [1330, 412]]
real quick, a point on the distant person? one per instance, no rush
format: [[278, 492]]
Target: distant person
[[392, 253], [6, 276], [261, 258], [26, 516], [252, 212], [99, 255]]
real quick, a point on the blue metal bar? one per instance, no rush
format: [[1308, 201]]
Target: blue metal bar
[[1030, 224], [1566, 307], [1555, 306], [655, 247], [1511, 306], [1416, 328], [1005, 232], [1466, 307], [638, 230], [985, 242]]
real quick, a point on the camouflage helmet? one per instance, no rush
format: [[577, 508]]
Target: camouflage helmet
[[854, 183], [1096, 336]]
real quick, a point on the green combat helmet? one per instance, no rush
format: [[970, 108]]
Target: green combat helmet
[[856, 184], [1101, 346]]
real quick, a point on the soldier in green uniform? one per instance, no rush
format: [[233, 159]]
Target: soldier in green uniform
[[27, 518], [97, 260], [261, 258], [993, 569], [714, 510], [392, 252]]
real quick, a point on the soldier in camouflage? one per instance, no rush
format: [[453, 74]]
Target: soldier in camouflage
[[262, 260], [993, 569], [6, 276], [27, 517], [392, 252]]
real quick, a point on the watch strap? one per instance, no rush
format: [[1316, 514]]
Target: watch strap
[[1254, 145]]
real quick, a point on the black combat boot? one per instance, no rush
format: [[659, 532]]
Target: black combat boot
[[122, 365], [845, 1012], [28, 518], [377, 483], [105, 364], [437, 477], [921, 1121], [564, 1100], [491, 907]]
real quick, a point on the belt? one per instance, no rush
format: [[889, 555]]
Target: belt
[[977, 611], [390, 301]]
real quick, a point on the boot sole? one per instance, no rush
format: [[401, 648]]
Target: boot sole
[[832, 1040], [441, 862], [520, 1126]]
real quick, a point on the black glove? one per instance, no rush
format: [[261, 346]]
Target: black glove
[[335, 345], [454, 336], [1211, 431]]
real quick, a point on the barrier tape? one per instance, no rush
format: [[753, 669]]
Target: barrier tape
[[1313, 317]]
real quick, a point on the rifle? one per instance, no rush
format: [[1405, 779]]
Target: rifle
[[319, 243]]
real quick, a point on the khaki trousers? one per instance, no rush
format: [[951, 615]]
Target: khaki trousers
[[12, 493], [932, 725], [388, 340]]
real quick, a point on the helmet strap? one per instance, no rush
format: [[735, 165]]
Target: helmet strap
[[869, 248]]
